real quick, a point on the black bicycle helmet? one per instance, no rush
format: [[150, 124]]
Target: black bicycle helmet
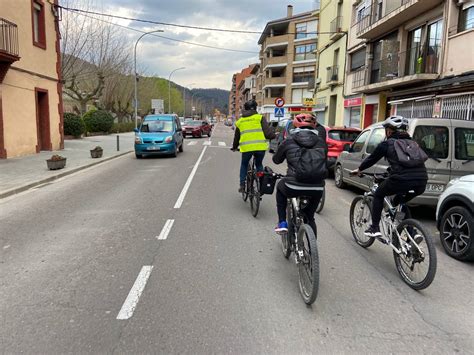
[[396, 123], [251, 105]]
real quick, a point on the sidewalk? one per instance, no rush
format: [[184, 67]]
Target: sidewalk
[[20, 174]]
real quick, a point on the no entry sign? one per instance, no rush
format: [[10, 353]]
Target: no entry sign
[[279, 102]]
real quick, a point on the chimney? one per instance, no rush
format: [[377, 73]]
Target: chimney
[[289, 11]]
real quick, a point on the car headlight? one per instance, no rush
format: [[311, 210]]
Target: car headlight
[[138, 140], [169, 139], [452, 182]]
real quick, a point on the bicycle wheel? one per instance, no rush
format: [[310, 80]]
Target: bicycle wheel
[[321, 202], [360, 219], [286, 238], [416, 266], [254, 195], [245, 192], [308, 267]]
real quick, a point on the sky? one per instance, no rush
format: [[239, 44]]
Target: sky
[[205, 68]]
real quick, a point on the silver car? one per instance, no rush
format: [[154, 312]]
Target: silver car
[[448, 143]]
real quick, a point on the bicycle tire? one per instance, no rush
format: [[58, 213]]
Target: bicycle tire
[[255, 195], [357, 233], [245, 192], [321, 202], [286, 237], [308, 290], [430, 249]]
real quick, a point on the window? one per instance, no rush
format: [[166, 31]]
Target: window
[[357, 59], [343, 135], [434, 140], [359, 142], [38, 21], [466, 17], [378, 135], [297, 95], [303, 74], [354, 117], [464, 143], [305, 52], [157, 126], [424, 48], [306, 29]]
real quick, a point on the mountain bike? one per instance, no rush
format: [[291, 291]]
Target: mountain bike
[[252, 187], [321, 202], [413, 248], [301, 239]]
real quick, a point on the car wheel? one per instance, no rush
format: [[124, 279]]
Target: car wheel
[[181, 148], [209, 133], [175, 152], [456, 233], [338, 180], [138, 156], [200, 134]]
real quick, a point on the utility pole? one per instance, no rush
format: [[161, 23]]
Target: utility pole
[[169, 87]]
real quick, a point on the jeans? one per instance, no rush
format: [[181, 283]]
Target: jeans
[[284, 192], [259, 155], [392, 187]]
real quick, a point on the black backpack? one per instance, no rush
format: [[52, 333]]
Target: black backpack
[[409, 153], [312, 165]]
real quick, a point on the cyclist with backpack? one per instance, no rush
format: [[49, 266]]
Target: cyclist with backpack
[[407, 170], [306, 154]]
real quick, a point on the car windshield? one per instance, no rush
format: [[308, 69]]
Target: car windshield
[[194, 123], [342, 135], [157, 126]]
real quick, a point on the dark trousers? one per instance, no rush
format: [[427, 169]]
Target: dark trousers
[[284, 192], [398, 188], [259, 155]]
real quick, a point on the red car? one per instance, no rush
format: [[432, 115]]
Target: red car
[[336, 138], [197, 129]]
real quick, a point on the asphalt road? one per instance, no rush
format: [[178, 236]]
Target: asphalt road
[[161, 255]]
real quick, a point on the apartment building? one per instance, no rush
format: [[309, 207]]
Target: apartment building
[[288, 62], [236, 99], [412, 57], [31, 117], [232, 97], [248, 87], [334, 23]]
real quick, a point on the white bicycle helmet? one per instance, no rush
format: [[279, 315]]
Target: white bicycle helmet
[[396, 122]]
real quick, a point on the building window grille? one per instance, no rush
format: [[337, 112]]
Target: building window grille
[[457, 107], [423, 109]]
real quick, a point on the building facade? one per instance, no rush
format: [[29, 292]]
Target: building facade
[[412, 57], [288, 64], [31, 116]]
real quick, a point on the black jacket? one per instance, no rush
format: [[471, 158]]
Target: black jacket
[[386, 150], [288, 149], [267, 130]]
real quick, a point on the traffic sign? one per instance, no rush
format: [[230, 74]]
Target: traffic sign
[[279, 102], [279, 112]]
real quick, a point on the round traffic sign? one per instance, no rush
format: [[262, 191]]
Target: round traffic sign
[[279, 102]]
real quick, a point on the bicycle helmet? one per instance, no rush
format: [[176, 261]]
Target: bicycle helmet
[[396, 123], [304, 120], [250, 105]]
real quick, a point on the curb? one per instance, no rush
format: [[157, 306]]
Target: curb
[[58, 176]]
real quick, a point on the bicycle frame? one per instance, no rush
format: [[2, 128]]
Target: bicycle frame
[[298, 219]]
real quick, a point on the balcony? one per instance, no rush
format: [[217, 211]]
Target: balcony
[[332, 75], [274, 82], [276, 62], [8, 46], [336, 29], [276, 41], [399, 69], [382, 18]]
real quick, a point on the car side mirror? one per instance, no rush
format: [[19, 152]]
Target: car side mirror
[[135, 130], [347, 148]]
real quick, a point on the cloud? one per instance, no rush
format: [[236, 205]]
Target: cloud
[[206, 67]]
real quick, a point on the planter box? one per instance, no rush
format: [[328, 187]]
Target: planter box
[[56, 164], [96, 153]]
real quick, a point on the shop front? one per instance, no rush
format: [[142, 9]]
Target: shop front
[[352, 112]]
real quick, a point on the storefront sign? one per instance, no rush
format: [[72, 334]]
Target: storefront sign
[[356, 101], [299, 109], [308, 101]]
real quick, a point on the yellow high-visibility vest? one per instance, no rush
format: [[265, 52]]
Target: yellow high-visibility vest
[[252, 137]]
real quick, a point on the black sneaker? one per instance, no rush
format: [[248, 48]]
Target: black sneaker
[[373, 231], [241, 188]]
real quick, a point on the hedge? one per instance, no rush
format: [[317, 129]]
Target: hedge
[[98, 121], [73, 125], [123, 127]]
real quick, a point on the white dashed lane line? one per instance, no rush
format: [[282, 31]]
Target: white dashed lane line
[[207, 143], [192, 143], [166, 230], [222, 144], [133, 297]]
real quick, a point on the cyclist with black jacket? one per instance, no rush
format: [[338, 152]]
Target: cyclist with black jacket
[[401, 179]]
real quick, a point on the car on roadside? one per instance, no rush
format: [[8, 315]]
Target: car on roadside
[[336, 139], [282, 128], [448, 143], [159, 135], [197, 128], [455, 218]]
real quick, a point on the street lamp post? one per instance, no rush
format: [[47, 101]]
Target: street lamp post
[[184, 98], [135, 72], [169, 87], [192, 98]]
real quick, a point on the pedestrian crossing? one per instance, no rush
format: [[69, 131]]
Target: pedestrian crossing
[[208, 143]]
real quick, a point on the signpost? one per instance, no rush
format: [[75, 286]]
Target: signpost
[[158, 105], [279, 112], [279, 102]]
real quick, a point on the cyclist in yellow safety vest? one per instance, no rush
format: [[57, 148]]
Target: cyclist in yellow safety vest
[[251, 134]]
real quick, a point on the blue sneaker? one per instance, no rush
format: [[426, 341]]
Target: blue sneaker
[[282, 227]]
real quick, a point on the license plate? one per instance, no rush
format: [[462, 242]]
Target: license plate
[[434, 187], [153, 147]]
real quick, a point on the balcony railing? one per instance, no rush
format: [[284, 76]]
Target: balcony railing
[[373, 13], [332, 74], [335, 26], [8, 38], [358, 78]]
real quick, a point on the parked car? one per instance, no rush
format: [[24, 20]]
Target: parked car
[[448, 143], [455, 218], [336, 138], [158, 135], [197, 128], [282, 128]]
